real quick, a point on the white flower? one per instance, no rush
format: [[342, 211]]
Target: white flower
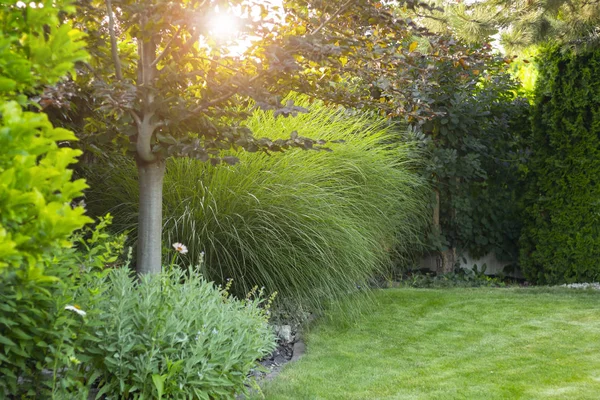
[[76, 309], [180, 248]]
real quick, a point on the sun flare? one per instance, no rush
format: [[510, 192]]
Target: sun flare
[[223, 26]]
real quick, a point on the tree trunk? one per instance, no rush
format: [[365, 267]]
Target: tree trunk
[[149, 243], [446, 259]]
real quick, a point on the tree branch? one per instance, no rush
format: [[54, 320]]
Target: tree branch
[[188, 45], [144, 137], [135, 117], [167, 47], [224, 97], [432, 17], [220, 64], [335, 14], [113, 40]]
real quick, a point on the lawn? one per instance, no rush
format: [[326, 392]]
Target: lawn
[[455, 344]]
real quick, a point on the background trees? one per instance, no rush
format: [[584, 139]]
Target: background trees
[[475, 144], [517, 24]]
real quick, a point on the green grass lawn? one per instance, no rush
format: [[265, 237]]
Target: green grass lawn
[[455, 344]]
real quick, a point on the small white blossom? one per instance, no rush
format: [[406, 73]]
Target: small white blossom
[[180, 248], [76, 310], [215, 331]]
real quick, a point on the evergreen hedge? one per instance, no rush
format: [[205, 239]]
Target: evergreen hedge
[[561, 237]]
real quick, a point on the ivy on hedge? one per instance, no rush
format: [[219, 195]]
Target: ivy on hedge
[[560, 241]]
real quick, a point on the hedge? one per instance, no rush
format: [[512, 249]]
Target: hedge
[[561, 237]]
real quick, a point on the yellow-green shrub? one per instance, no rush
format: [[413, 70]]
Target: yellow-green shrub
[[36, 192]]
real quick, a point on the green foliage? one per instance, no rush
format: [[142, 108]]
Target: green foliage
[[47, 324], [475, 146], [35, 185], [561, 239], [37, 333], [474, 277], [519, 23], [174, 335], [309, 225], [36, 48], [36, 191]]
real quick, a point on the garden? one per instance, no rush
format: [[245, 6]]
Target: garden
[[237, 199]]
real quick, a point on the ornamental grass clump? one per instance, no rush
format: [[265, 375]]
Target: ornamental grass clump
[[174, 335], [311, 225]]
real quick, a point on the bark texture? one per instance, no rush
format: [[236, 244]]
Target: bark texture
[[149, 243]]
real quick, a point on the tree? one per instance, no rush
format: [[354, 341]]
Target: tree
[[166, 86], [475, 146], [520, 24]]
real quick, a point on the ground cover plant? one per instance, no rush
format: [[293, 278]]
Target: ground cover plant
[[480, 343], [309, 225], [460, 277]]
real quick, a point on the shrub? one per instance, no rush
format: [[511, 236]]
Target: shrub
[[174, 335], [309, 225], [37, 334], [561, 238], [460, 277], [43, 332], [36, 191]]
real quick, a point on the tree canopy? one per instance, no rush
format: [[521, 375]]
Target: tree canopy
[[518, 24]]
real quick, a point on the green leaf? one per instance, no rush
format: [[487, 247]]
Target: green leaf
[[159, 384], [7, 84], [6, 341]]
